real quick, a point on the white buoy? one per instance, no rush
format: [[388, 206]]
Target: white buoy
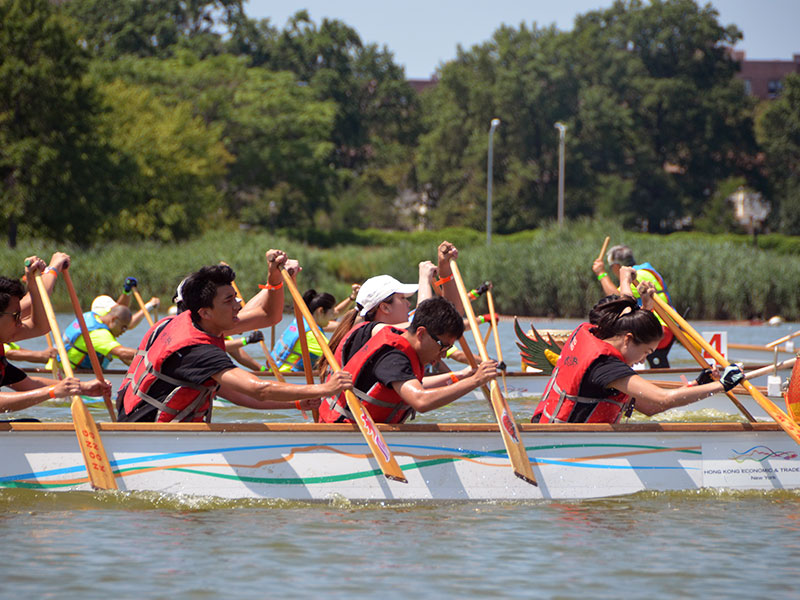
[[776, 320]]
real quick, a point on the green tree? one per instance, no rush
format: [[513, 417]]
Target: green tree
[[778, 129], [52, 161]]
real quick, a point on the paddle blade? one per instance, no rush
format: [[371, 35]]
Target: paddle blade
[[536, 352], [375, 441], [793, 394], [511, 437], [94, 454]]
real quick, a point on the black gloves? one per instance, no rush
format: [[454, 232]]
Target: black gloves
[[130, 283], [731, 377], [253, 336], [704, 377]]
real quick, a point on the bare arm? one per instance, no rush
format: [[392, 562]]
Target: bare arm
[[33, 390], [423, 399], [266, 307], [242, 382], [58, 262], [235, 349], [36, 323], [651, 399], [123, 353], [344, 304], [34, 356], [445, 252], [250, 402], [598, 268], [427, 276]]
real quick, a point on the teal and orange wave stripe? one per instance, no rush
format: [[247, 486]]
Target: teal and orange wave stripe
[[76, 475]]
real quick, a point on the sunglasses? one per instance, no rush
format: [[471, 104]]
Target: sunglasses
[[442, 346], [17, 315]]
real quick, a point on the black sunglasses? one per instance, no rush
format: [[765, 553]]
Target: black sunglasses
[[442, 346], [17, 315]]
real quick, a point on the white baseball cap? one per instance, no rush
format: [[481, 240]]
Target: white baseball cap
[[102, 304], [377, 289]]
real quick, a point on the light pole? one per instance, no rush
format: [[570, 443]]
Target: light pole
[[562, 130], [495, 123]]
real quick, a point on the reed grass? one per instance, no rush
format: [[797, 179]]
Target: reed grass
[[546, 272]]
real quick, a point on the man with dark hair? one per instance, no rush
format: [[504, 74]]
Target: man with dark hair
[[181, 363], [15, 326], [388, 369]]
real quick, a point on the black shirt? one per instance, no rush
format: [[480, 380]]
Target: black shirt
[[12, 374]]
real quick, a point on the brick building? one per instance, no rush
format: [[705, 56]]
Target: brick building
[[764, 78]]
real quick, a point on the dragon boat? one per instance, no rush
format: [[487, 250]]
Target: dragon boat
[[448, 462]]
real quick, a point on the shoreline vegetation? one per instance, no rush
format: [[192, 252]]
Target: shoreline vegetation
[[542, 273]]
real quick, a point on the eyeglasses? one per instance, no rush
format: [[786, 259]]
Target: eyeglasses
[[17, 315], [442, 346]]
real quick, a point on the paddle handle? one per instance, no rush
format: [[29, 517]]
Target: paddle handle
[[785, 338], [94, 455], [380, 450], [603, 249], [785, 364], [96, 368], [146, 312], [301, 332]]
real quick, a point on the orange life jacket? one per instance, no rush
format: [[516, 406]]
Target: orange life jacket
[[384, 405], [188, 401], [560, 397]]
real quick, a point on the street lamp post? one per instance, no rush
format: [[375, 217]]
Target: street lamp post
[[562, 130], [489, 168]]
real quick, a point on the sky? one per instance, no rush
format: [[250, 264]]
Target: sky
[[422, 34]]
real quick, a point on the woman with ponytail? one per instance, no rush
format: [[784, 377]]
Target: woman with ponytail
[[594, 382], [288, 353]]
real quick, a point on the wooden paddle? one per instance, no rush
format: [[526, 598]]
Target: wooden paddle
[[139, 300], [53, 363], [94, 455], [698, 356], [785, 338], [756, 348], [493, 327], [366, 425], [787, 424], [505, 420], [96, 368], [301, 331], [603, 249]]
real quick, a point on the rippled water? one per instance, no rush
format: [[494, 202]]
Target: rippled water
[[650, 545]]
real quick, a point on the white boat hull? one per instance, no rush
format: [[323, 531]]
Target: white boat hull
[[441, 462]]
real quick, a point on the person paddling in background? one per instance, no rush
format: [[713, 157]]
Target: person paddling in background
[[388, 369], [102, 304], [29, 391], [593, 381], [103, 332], [622, 256], [181, 363], [288, 351]]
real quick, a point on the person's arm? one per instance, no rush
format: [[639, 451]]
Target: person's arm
[[249, 402], [608, 285], [243, 382], [423, 399], [242, 357], [34, 356], [266, 307], [33, 390], [427, 277], [58, 262], [445, 252], [123, 353], [651, 399], [137, 317], [36, 323], [345, 304]]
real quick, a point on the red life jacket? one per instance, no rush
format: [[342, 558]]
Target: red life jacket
[[560, 397], [385, 405], [187, 401]]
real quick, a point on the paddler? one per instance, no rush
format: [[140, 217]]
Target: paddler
[[593, 380], [388, 368], [181, 363], [622, 256], [17, 324]]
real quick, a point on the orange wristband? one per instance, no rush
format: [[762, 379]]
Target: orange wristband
[[453, 377], [442, 281], [297, 405], [269, 286], [52, 391]]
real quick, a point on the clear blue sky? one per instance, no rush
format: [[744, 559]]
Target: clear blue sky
[[423, 34]]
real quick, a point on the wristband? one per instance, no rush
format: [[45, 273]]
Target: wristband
[[269, 286], [453, 377], [263, 368], [297, 405], [244, 341], [442, 281], [352, 299], [49, 269], [603, 274], [52, 391]]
